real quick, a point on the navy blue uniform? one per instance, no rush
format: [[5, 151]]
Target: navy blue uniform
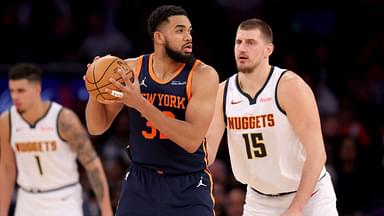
[[164, 179]]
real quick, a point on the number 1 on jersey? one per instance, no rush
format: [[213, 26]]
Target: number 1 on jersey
[[254, 145], [39, 164]]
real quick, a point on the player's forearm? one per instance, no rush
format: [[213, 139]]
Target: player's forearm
[[183, 133], [7, 184], [310, 177], [97, 117], [99, 185]]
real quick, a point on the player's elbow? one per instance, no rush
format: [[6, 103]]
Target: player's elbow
[[193, 145], [95, 131], [211, 159], [192, 149], [96, 128], [8, 169]]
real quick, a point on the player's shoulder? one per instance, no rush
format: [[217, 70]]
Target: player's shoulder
[[132, 61], [4, 117], [66, 114], [201, 66], [291, 83], [291, 78], [204, 71]]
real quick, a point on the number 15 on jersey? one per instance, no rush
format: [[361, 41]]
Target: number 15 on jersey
[[254, 145]]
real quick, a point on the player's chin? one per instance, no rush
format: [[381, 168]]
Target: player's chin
[[187, 53], [20, 109]]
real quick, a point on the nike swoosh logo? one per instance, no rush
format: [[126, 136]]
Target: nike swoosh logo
[[236, 102]]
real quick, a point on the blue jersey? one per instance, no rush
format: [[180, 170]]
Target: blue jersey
[[148, 146]]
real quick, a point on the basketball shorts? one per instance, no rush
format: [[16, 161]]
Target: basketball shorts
[[321, 203], [147, 193], [66, 201]]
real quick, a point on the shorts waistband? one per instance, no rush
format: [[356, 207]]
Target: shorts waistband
[[283, 193], [273, 195], [36, 190]]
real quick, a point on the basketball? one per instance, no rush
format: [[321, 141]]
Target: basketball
[[98, 75]]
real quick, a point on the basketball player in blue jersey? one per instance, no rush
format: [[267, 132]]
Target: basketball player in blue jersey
[[170, 103], [40, 142], [273, 132]]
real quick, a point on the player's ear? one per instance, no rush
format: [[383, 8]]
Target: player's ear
[[268, 50], [158, 37]]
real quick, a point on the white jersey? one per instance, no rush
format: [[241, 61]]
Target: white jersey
[[44, 160], [265, 152]]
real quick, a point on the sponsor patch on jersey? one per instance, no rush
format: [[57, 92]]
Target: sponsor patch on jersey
[[176, 82], [262, 100]]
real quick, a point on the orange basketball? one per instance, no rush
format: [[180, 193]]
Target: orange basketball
[[98, 74]]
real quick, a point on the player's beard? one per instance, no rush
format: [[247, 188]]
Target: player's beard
[[20, 111], [245, 69], [179, 56]]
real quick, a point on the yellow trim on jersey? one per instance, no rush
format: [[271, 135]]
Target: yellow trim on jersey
[[189, 79], [138, 66], [206, 170], [211, 188]]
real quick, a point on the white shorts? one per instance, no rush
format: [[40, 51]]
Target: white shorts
[[66, 201], [321, 203]]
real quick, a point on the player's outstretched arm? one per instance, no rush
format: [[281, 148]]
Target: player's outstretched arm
[[297, 99], [74, 133], [7, 166], [217, 126]]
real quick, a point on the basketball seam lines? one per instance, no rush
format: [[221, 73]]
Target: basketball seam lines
[[103, 85], [94, 77]]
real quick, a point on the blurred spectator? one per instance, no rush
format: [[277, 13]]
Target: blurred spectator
[[351, 186], [235, 202], [219, 191], [220, 171], [100, 41]]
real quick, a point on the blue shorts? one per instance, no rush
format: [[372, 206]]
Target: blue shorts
[[148, 193]]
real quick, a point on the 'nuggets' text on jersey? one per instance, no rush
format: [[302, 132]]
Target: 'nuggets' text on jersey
[[38, 146], [251, 122]]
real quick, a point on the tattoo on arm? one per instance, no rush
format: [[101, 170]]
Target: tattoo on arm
[[96, 183], [72, 130], [74, 133]]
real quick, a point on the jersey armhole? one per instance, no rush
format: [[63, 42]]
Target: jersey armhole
[[189, 80], [138, 66], [57, 125], [276, 98], [9, 126], [225, 102]]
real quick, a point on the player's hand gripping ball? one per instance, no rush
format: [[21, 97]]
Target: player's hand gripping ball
[[98, 75]]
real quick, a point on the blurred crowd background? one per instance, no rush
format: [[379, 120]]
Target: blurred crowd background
[[337, 48]]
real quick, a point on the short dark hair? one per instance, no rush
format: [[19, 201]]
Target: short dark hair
[[161, 14], [255, 23], [28, 71]]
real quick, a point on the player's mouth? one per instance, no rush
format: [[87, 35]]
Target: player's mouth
[[187, 48], [17, 104], [242, 58]]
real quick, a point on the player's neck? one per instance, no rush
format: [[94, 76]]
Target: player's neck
[[37, 110], [252, 82], [164, 67]]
